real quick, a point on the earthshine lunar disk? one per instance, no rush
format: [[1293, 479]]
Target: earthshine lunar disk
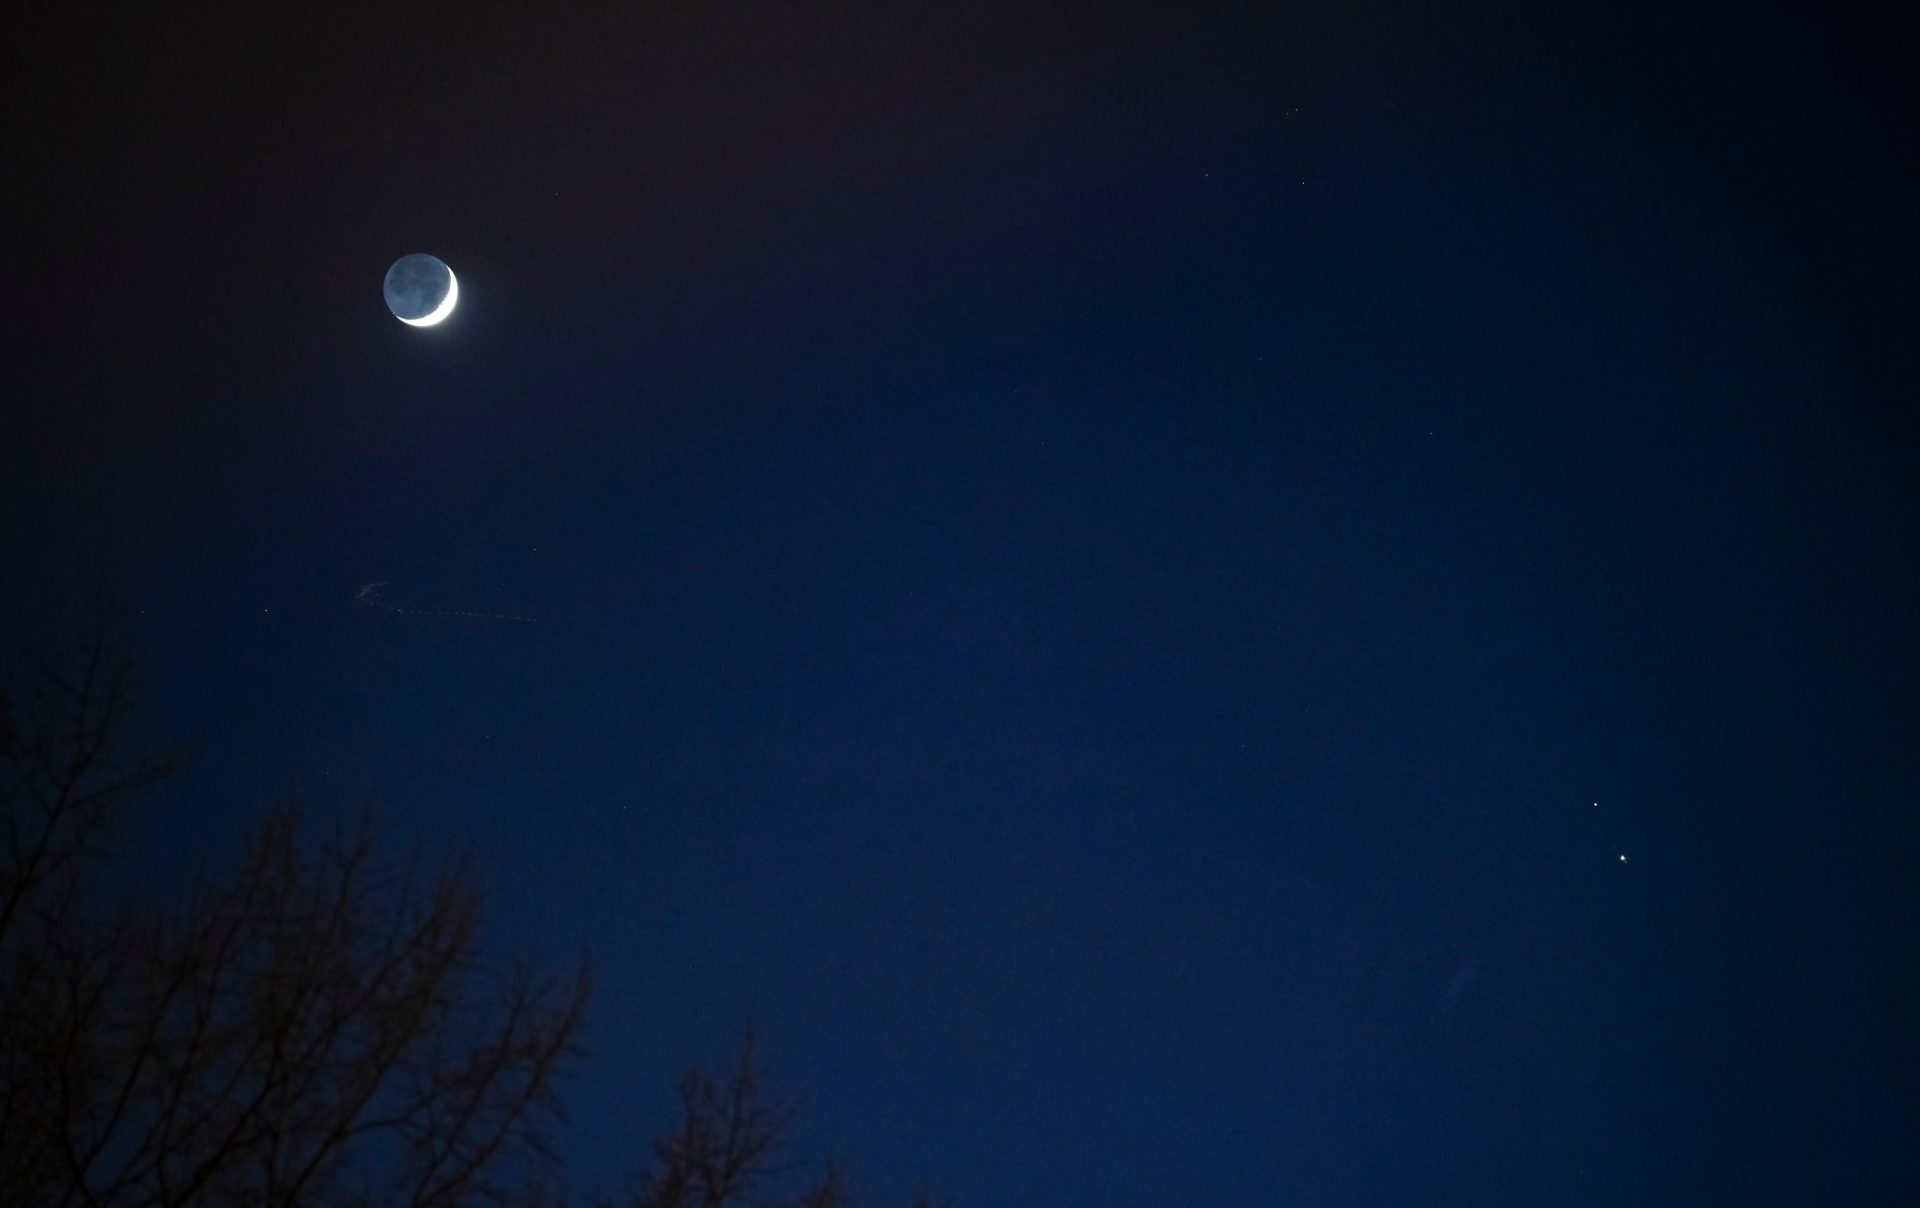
[[421, 290]]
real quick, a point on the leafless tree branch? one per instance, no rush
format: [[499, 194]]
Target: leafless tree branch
[[314, 1028]]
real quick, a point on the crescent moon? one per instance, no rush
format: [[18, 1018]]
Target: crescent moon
[[441, 311]]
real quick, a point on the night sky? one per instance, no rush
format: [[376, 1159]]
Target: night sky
[[1305, 604]]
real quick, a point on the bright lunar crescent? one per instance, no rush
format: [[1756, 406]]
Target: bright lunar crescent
[[421, 290]]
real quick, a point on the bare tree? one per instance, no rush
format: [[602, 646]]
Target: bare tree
[[316, 1028], [729, 1148]]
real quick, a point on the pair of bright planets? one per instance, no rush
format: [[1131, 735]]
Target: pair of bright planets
[[421, 290], [1623, 855]]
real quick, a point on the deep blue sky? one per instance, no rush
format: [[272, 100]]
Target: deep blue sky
[[1091, 564]]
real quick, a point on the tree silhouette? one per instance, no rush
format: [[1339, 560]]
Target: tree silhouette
[[728, 1148], [315, 1028]]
